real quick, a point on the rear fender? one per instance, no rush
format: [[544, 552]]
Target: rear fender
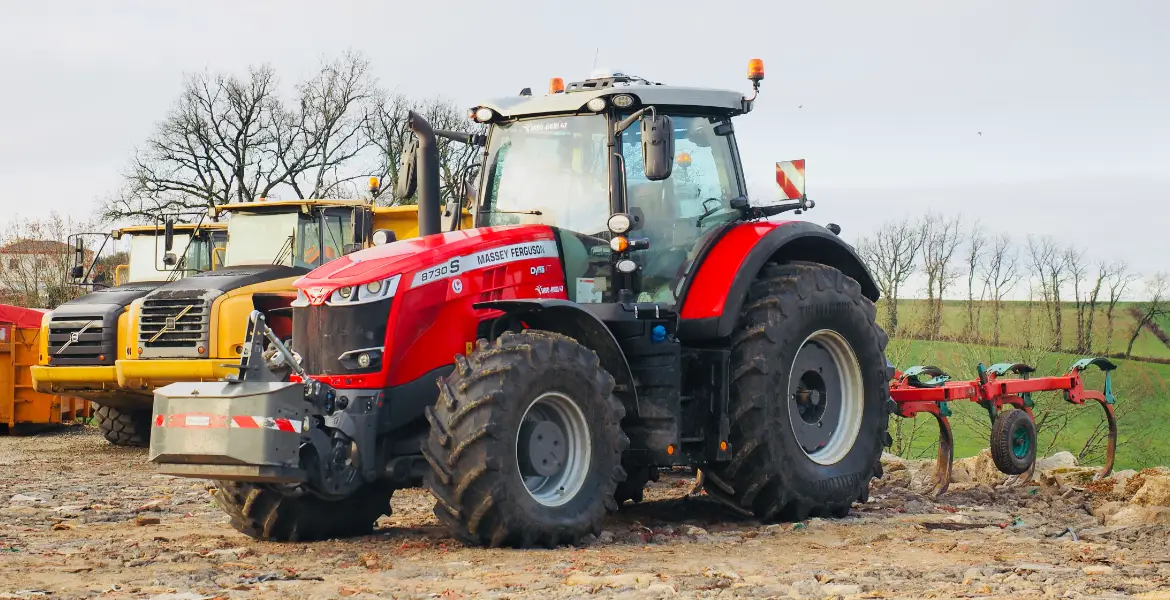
[[568, 318], [712, 300]]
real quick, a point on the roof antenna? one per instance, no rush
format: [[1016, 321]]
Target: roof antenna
[[595, 50]]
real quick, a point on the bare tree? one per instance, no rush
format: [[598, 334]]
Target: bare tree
[[1000, 275], [232, 138], [940, 240], [1119, 281], [891, 254], [1078, 270], [35, 260], [1156, 305], [1093, 298], [1051, 269], [976, 249]]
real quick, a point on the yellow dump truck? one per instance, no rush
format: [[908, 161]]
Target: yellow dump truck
[[193, 329], [79, 340]]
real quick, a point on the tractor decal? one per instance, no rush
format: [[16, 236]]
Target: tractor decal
[[483, 259]]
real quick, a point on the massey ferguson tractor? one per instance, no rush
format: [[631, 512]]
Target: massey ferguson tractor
[[618, 307]]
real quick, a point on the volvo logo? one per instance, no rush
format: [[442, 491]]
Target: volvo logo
[[74, 337], [171, 323]]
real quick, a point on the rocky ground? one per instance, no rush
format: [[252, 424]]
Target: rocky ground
[[82, 519]]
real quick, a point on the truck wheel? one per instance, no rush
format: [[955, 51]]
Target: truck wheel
[[266, 512], [808, 397], [1013, 442], [525, 443], [124, 427]]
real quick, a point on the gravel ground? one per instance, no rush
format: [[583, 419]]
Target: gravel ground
[[82, 519]]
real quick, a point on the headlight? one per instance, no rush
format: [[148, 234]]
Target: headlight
[[483, 115], [363, 360], [374, 287], [623, 100], [626, 266], [596, 104], [345, 292], [619, 223]]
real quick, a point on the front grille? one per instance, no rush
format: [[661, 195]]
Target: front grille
[[83, 339], [172, 326], [323, 333]]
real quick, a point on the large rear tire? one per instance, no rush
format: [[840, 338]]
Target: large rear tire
[[267, 513], [808, 397], [525, 443], [124, 427]]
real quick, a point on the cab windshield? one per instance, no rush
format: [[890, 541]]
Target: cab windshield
[[146, 257], [198, 256], [289, 238], [550, 171]]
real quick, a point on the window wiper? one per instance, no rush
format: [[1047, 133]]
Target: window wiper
[[287, 247]]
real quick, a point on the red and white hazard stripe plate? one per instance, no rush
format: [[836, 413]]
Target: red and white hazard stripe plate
[[210, 421]]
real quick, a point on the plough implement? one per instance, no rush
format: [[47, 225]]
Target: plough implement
[[927, 389]]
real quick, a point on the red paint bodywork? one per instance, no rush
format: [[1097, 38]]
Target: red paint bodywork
[[708, 291], [431, 323]]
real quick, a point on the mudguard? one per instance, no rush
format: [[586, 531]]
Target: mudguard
[[712, 299], [563, 316]]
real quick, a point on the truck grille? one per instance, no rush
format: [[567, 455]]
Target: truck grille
[[83, 339], [323, 333], [174, 327]]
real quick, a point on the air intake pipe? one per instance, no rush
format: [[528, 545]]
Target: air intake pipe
[[426, 159]]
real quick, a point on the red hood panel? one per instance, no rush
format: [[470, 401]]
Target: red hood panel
[[406, 256]]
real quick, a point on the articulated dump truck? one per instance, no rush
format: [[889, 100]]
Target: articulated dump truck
[[193, 329], [79, 340]]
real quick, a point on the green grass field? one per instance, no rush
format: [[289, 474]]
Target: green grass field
[[1023, 322], [1143, 391]]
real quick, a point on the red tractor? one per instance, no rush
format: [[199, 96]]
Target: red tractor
[[619, 307]]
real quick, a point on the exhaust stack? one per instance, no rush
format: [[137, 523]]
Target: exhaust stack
[[428, 174]]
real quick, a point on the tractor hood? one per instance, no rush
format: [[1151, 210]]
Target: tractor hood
[[430, 258]]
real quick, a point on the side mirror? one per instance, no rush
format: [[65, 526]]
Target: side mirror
[[407, 172], [384, 236], [169, 236], [657, 147], [78, 257], [77, 272], [360, 226], [170, 259]]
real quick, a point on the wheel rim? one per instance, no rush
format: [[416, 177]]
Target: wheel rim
[[826, 397], [1020, 442], [553, 449]]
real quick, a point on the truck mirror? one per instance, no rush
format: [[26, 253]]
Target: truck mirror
[[360, 227], [407, 172], [77, 272], [78, 257], [657, 147], [170, 259], [169, 236], [384, 236]]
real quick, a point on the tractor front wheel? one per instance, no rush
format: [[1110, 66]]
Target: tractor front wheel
[[808, 397], [271, 513], [525, 444], [123, 426]]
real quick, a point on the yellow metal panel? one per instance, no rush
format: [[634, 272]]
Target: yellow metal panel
[[148, 374]]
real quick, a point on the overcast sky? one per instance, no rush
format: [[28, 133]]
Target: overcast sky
[[885, 100]]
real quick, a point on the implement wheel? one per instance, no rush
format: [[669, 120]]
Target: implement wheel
[[271, 513], [807, 399], [124, 427], [525, 444], [1013, 442]]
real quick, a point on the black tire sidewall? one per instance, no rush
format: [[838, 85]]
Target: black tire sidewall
[[838, 313], [594, 404]]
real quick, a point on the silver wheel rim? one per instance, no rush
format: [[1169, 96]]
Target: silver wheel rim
[[826, 397], [554, 409]]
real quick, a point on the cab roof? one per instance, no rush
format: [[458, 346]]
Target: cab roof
[[577, 94], [158, 229], [260, 205]]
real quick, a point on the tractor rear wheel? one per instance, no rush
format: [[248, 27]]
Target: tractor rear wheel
[[266, 512], [525, 444], [123, 426], [809, 387]]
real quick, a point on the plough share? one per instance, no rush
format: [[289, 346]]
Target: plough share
[[927, 389]]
